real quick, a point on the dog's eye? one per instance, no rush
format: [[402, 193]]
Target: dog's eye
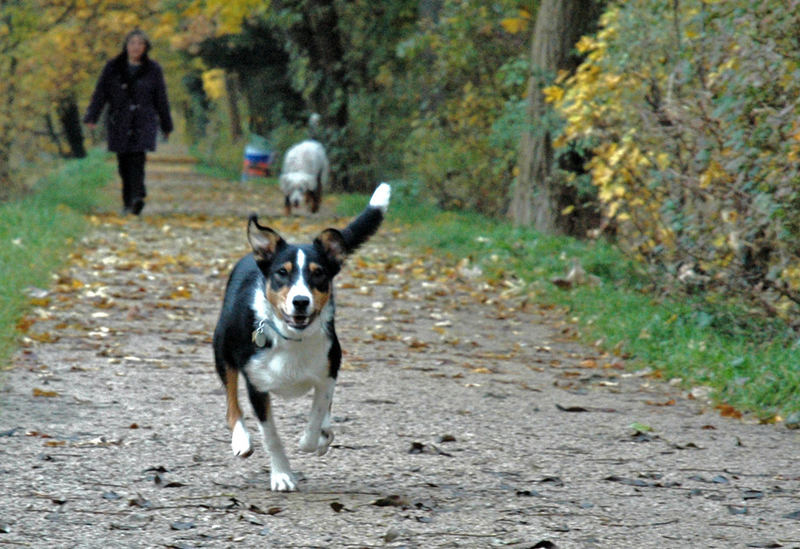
[[282, 272], [318, 275]]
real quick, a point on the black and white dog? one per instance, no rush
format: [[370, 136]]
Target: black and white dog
[[276, 328]]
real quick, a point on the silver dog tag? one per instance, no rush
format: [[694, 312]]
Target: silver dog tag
[[259, 337]]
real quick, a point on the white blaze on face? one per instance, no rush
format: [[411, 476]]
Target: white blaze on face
[[299, 289]]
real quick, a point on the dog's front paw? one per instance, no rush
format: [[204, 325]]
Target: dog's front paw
[[325, 439], [240, 442], [317, 444], [280, 481]]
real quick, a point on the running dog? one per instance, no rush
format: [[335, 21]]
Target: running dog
[[276, 329], [304, 174]]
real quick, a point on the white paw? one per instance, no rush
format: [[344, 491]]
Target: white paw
[[240, 441], [316, 444], [282, 481], [380, 198]]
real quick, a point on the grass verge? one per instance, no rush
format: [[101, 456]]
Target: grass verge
[[749, 364], [38, 232]]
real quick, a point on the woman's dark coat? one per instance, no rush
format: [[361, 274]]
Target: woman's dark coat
[[138, 105]]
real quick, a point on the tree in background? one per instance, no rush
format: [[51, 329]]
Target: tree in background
[[338, 50], [463, 81], [256, 68], [300, 57], [47, 61], [538, 197], [19, 22]]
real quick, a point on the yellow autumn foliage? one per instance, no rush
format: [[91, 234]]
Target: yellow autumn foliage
[[214, 83], [693, 126]]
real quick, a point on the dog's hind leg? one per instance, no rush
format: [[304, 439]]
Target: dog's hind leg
[[316, 195], [281, 477], [240, 438], [318, 435]]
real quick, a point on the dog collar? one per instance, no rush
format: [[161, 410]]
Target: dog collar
[[260, 335]]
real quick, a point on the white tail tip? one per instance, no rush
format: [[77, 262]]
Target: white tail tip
[[380, 198]]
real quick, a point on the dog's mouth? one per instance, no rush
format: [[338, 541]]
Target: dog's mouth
[[297, 322]]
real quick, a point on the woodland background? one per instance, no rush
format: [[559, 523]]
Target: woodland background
[[669, 127]]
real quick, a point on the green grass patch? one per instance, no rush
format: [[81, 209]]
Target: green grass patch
[[751, 363], [222, 166], [39, 230]]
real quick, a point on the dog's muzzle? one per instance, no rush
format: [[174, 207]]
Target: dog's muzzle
[[301, 313]]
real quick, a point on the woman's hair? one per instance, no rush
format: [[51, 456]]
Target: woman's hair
[[140, 33]]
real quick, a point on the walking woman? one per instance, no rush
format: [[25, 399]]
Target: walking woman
[[133, 86]]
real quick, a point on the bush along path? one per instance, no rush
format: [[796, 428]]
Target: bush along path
[[463, 417]]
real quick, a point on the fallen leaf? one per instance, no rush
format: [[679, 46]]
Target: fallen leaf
[[54, 443], [670, 402], [43, 393], [44, 337], [392, 501], [640, 427], [555, 481], [726, 410], [571, 408]]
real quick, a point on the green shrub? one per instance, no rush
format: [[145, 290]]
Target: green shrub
[[693, 113], [464, 81]]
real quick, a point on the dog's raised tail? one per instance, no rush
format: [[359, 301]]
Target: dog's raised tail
[[366, 224]]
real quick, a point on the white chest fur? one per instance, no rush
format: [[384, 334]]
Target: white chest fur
[[290, 367]]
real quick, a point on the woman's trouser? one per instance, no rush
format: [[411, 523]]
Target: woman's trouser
[[131, 170]]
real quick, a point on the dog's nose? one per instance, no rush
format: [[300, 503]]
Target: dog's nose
[[300, 303]]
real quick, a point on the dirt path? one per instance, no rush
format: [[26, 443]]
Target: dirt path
[[463, 418]]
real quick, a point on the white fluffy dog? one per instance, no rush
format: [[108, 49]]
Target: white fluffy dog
[[304, 173]]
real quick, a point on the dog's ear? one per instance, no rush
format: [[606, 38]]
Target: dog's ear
[[264, 241], [331, 243]]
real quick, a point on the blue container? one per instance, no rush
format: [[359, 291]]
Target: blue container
[[257, 162]]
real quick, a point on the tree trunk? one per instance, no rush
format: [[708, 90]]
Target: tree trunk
[[232, 89], [8, 186], [70, 118], [559, 26]]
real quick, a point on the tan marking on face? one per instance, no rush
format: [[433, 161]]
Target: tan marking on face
[[278, 298], [321, 297], [320, 300]]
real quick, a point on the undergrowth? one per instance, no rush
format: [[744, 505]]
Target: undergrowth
[[39, 230], [748, 362]]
